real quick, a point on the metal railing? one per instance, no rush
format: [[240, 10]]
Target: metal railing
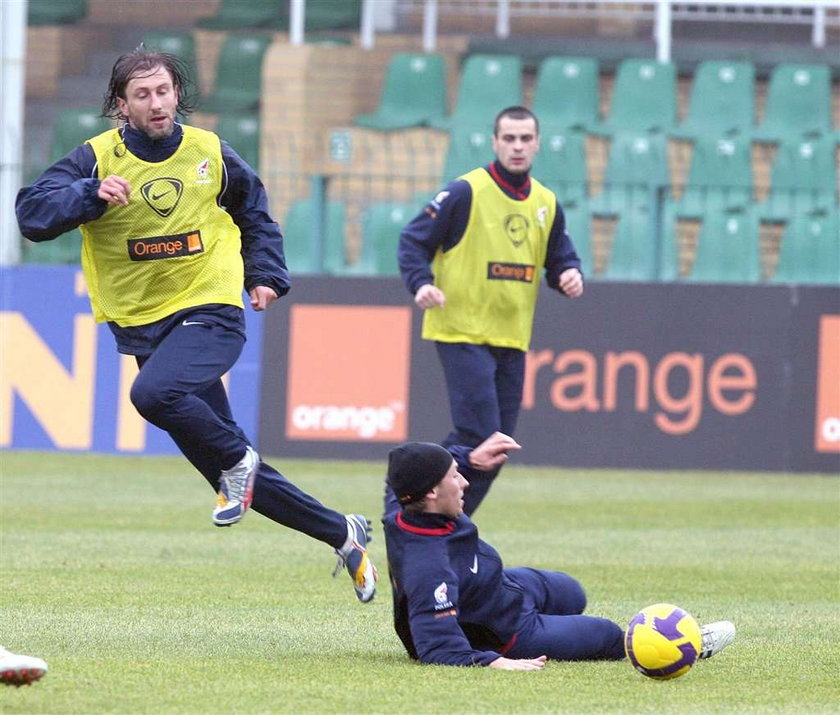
[[661, 13]]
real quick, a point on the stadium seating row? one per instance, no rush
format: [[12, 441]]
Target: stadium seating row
[[644, 96], [720, 175], [728, 248]]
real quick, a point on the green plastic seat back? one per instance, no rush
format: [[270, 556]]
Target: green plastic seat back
[[300, 241], [489, 83], [73, 127], [468, 150], [720, 176], [413, 93], [560, 163], [798, 101], [382, 224], [803, 178], [633, 254], [722, 98], [727, 248], [578, 229], [238, 84], [239, 15], [53, 12], [242, 132], [567, 92], [637, 158], [644, 96], [180, 44], [636, 163], [810, 249], [332, 14]]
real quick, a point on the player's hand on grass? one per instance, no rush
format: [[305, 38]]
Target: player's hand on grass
[[523, 664], [492, 452], [571, 283], [429, 296], [262, 297]]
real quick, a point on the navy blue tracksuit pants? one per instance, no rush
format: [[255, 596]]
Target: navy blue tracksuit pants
[[179, 389], [484, 384], [553, 623]]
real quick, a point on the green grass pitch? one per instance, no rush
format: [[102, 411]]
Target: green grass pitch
[[113, 573]]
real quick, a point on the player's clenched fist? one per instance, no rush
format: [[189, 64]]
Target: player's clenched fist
[[429, 296], [115, 190]]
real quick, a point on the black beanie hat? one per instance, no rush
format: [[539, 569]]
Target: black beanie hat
[[415, 467]]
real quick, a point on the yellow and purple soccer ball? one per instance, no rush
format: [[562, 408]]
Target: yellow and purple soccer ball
[[662, 641]]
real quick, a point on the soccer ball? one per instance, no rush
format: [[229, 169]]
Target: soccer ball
[[662, 641]]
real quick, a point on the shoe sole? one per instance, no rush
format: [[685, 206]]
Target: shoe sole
[[24, 676]]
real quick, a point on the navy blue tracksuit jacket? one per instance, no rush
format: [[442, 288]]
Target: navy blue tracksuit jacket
[[456, 604]]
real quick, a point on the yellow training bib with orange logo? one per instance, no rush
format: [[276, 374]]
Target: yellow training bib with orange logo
[[173, 246], [491, 276]]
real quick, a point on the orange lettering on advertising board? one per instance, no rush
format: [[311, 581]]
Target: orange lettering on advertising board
[[827, 427], [348, 373], [579, 383], [583, 384]]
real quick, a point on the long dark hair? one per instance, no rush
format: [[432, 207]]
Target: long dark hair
[[141, 63]]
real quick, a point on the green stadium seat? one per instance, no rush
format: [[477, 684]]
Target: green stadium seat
[[728, 248], [238, 85], [242, 132], [633, 254], [74, 127], [722, 100], [798, 102], [323, 15], [803, 177], [489, 83], [720, 177], [567, 92], [644, 98], [560, 163], [180, 44], [55, 12], [381, 226], [300, 243], [239, 15], [637, 164], [578, 228], [413, 94], [468, 149], [810, 249]]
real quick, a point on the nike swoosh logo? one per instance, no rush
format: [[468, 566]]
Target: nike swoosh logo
[[155, 197], [474, 567], [192, 322]]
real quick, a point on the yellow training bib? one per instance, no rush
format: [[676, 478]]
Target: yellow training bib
[[491, 276], [173, 246]]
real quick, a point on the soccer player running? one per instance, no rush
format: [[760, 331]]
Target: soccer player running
[[472, 259], [174, 225], [454, 601]]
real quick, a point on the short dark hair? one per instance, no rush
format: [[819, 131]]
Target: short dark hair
[[141, 63], [516, 112]]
